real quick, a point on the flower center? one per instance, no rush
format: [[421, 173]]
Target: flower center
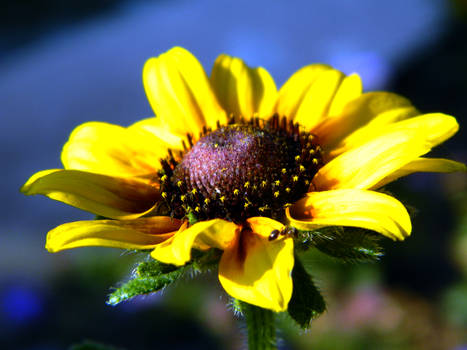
[[242, 170]]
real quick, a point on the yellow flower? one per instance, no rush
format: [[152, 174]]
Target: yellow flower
[[251, 163]]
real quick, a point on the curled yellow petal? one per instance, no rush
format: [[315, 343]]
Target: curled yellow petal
[[111, 197], [432, 165], [143, 233], [374, 128], [365, 166], [356, 208], [112, 150], [436, 127], [203, 235], [263, 226], [356, 114], [243, 91], [180, 93], [256, 270]]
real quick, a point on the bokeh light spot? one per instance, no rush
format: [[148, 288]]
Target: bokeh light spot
[[21, 304]]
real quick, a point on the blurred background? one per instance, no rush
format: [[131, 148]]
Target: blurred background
[[63, 63]]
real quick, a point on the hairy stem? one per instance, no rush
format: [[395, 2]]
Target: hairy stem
[[261, 327]]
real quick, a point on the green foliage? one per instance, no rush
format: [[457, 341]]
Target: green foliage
[[349, 244], [455, 304], [149, 277], [307, 302]]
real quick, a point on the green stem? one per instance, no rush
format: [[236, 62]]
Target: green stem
[[261, 327]]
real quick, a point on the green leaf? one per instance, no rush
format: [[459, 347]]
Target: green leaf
[[149, 277], [349, 244], [306, 302]]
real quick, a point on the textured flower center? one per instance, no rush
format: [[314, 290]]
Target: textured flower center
[[235, 157], [242, 170]]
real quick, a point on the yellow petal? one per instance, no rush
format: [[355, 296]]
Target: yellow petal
[[350, 88], [111, 197], [143, 233], [374, 128], [355, 115], [203, 235], [155, 126], [180, 93], [365, 166], [294, 90], [315, 104], [256, 270], [432, 165], [241, 90], [112, 150], [356, 208], [263, 226], [436, 127]]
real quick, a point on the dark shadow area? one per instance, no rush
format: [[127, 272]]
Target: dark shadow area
[[72, 309], [435, 80], [23, 21]]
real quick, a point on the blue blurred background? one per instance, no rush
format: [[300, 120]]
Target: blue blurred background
[[65, 63]]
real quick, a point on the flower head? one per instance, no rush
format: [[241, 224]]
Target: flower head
[[229, 162]]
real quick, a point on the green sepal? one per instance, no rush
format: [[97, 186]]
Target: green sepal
[[204, 261], [149, 277], [236, 306], [349, 244], [154, 268], [307, 302]]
